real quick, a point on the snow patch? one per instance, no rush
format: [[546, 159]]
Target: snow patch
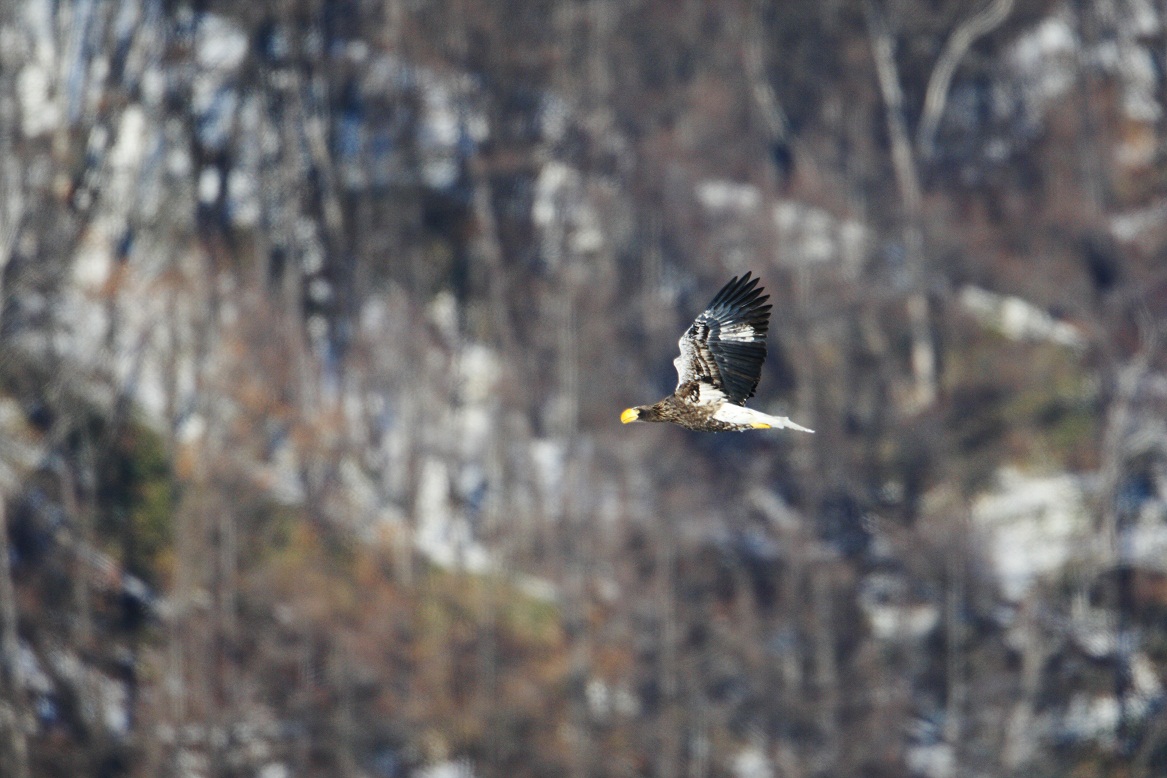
[[1134, 225], [39, 112], [442, 535], [442, 313], [92, 266], [728, 196], [479, 371], [461, 768], [1041, 60], [564, 214], [934, 760], [1144, 546], [208, 186], [1034, 526], [891, 614], [549, 458], [606, 700], [811, 235], [752, 762], [1018, 319], [219, 44]]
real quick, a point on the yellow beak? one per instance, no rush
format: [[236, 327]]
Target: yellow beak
[[630, 414]]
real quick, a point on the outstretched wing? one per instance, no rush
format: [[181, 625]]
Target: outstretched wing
[[726, 345]]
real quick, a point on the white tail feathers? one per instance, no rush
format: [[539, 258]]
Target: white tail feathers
[[736, 414], [785, 422]]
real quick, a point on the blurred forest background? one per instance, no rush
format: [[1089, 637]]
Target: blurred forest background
[[317, 319]]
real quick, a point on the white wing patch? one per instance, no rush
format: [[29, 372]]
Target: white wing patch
[[694, 362], [708, 394], [739, 331]]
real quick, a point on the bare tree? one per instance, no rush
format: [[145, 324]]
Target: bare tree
[[904, 158]]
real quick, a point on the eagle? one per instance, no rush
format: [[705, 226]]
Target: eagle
[[721, 361]]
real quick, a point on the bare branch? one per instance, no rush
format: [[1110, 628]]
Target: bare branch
[[924, 362], [883, 52], [958, 45], [766, 101]]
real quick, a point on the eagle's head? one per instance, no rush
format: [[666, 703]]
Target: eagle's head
[[640, 413]]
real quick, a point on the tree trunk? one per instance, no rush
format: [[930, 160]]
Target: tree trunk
[[14, 756], [908, 181]]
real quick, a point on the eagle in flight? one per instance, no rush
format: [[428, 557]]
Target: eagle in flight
[[719, 367]]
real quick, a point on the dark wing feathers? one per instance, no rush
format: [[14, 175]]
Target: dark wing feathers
[[726, 345]]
